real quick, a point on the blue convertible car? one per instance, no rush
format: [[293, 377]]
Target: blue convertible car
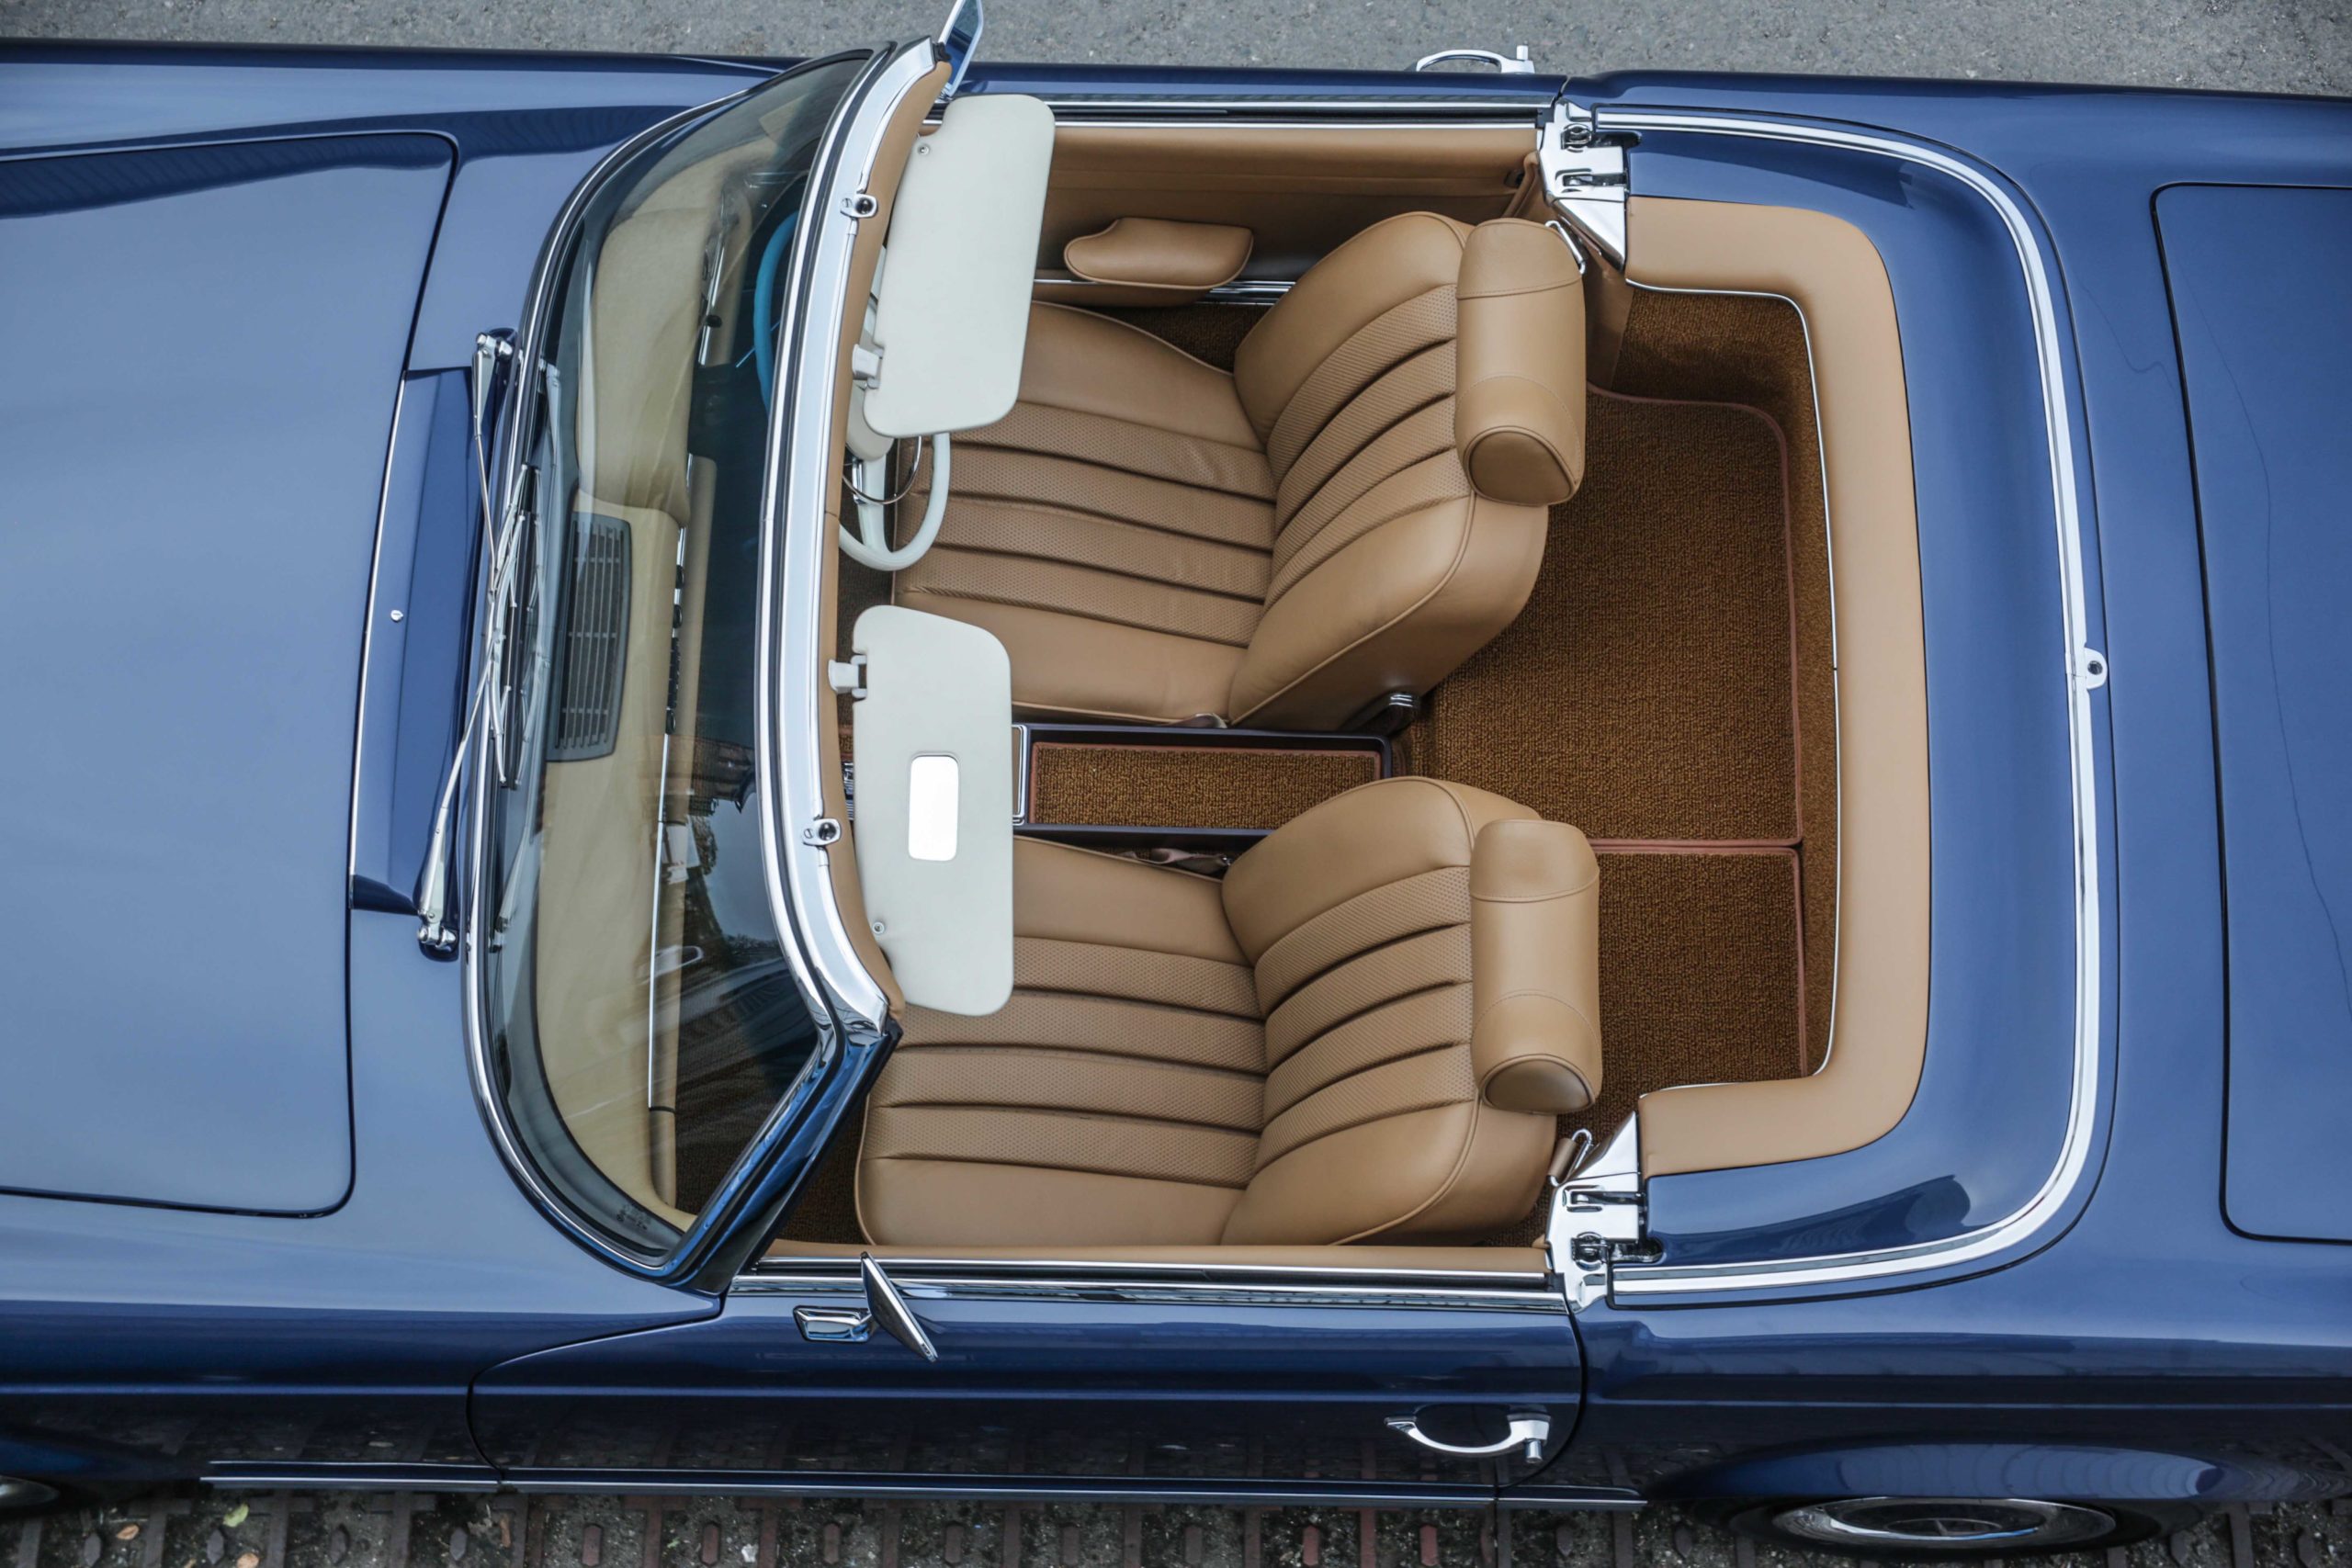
[[903, 778]]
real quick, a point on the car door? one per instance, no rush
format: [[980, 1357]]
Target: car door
[[1062, 1379]]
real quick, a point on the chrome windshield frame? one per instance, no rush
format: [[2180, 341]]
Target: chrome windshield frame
[[721, 1240], [795, 699]]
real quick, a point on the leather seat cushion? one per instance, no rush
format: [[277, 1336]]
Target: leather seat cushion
[[1284, 1057], [1115, 1098], [1357, 916], [1116, 531], [1355, 510]]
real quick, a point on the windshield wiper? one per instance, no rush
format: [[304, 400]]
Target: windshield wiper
[[493, 356]]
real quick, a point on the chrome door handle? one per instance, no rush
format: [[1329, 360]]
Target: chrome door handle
[[1528, 1431], [1515, 63], [834, 1326], [855, 1326]]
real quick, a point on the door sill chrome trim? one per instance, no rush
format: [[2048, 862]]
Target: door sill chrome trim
[[1131, 1490], [1531, 1496], [1987, 1245], [1168, 1284], [331, 1476]]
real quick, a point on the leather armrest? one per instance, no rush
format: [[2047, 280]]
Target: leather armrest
[[1519, 411], [1153, 261], [1535, 966]]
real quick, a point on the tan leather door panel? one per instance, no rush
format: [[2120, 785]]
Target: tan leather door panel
[[1300, 189]]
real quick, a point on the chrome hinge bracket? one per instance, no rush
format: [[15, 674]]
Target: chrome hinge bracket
[[1584, 177], [1598, 1216], [1602, 1225]]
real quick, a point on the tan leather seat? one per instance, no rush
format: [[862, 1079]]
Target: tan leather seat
[[1355, 510], [1365, 1030]]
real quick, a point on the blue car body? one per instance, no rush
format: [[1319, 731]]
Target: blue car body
[[253, 1226]]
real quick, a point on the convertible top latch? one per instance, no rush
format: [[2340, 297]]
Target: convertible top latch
[[1597, 1217], [1584, 177]]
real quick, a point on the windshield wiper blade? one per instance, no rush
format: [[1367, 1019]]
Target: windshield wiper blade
[[494, 353]]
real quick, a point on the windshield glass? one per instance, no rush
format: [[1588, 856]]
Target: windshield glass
[[642, 1016]]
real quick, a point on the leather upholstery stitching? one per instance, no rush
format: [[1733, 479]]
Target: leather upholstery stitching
[[1338, 963], [1049, 1165], [1462, 548], [998, 552]]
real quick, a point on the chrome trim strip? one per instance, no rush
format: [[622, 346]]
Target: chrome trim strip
[[1204, 1292], [1011, 1266], [1021, 764], [1528, 1278], [367, 637], [333, 1476], [1139, 1490], [1662, 1282]]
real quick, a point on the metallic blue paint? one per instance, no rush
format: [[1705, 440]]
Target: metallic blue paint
[[2001, 828], [2149, 1328], [2149, 1351], [1055, 1391], [421, 617], [204, 345], [2258, 299]]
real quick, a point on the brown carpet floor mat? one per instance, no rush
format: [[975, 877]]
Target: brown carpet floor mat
[[1186, 787], [1645, 692], [1743, 349], [1702, 980], [1702, 970]]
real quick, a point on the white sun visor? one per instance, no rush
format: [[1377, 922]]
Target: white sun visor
[[933, 740], [953, 315]]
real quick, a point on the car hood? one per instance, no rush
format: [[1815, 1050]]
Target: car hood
[[204, 348]]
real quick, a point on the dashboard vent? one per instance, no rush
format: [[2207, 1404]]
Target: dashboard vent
[[595, 642]]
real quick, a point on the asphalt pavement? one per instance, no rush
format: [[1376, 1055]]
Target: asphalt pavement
[[2291, 45], [2288, 46], [406, 1530]]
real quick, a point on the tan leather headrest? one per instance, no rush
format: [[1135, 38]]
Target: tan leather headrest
[[1535, 966], [1518, 415], [1162, 261]]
